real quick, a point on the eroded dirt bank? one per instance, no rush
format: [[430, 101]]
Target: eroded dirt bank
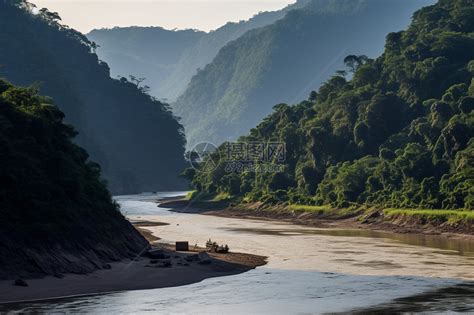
[[374, 220]]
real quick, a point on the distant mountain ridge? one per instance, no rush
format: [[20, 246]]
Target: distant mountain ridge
[[283, 62], [136, 50], [147, 52], [123, 129]]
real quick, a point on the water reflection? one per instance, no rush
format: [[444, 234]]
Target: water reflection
[[457, 299], [144, 204], [260, 291]]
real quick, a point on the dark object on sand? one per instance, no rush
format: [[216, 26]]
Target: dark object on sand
[[165, 264], [216, 248], [20, 283], [157, 254], [204, 258], [182, 246], [107, 266], [191, 258], [223, 249]]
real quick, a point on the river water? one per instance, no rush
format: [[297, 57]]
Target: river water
[[309, 270]]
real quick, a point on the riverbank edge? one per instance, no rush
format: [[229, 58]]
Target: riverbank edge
[[141, 273], [375, 220]]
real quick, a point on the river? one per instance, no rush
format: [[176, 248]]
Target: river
[[309, 270]]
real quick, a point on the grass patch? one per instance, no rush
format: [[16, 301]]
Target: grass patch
[[204, 196], [247, 199], [325, 209], [450, 216], [199, 196], [191, 195], [312, 209], [222, 196], [211, 201]]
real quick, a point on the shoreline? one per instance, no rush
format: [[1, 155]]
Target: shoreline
[[356, 221], [314, 255], [139, 274]]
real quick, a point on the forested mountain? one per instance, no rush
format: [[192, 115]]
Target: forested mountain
[[169, 58], [136, 139], [398, 134], [56, 214], [146, 52], [282, 62]]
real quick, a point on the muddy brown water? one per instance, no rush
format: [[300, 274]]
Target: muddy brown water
[[309, 271], [448, 246]]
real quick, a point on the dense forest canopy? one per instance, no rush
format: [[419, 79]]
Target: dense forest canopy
[[282, 62], [135, 138], [398, 133], [52, 193]]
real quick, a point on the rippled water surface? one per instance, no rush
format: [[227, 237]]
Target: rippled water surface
[[309, 271]]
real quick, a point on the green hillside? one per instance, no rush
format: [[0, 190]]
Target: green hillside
[[56, 214], [117, 121], [397, 133], [283, 62]]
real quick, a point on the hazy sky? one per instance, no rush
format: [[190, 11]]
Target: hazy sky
[[85, 15]]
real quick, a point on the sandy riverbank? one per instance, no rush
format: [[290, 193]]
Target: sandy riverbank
[[131, 275], [342, 251]]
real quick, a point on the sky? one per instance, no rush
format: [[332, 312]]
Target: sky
[[206, 15]]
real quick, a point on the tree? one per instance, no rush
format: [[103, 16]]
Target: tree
[[137, 81], [353, 62], [313, 96], [466, 105], [51, 17]]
